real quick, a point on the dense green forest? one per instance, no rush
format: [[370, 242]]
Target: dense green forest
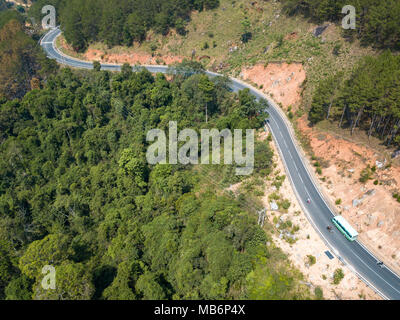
[[117, 22], [377, 20], [369, 99], [22, 61], [77, 193]]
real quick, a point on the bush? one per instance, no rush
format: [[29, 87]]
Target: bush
[[96, 66], [311, 260], [338, 201], [246, 37], [263, 158], [20, 9], [338, 276], [285, 204], [337, 48], [318, 293], [365, 174], [277, 184], [273, 196], [279, 40]]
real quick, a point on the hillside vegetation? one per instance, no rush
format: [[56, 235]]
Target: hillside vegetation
[[116, 22], [377, 21], [77, 193], [239, 34], [23, 63], [369, 99]]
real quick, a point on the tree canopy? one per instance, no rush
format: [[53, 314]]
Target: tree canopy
[[77, 193], [116, 22], [368, 99], [23, 64]]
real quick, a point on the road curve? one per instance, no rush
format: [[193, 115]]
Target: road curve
[[384, 281]]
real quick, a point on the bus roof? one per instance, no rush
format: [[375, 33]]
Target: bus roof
[[353, 233]]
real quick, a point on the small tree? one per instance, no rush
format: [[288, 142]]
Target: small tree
[[126, 70], [246, 26], [207, 88], [318, 293], [96, 66], [311, 260]]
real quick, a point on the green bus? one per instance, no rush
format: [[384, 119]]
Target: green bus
[[345, 228]]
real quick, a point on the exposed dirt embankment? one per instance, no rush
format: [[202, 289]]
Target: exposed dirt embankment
[[281, 80], [369, 206], [113, 56], [131, 58]]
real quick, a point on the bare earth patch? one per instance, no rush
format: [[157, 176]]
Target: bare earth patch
[[132, 58], [308, 242], [375, 214], [281, 80]]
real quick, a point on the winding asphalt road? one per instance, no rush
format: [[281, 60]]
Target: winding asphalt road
[[353, 254]]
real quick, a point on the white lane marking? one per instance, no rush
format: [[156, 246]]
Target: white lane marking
[[301, 179], [297, 169], [376, 273], [371, 254], [284, 141], [291, 157]]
